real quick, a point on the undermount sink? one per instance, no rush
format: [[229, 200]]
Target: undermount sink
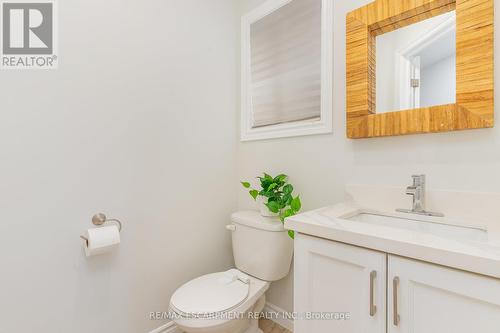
[[467, 237], [422, 224]]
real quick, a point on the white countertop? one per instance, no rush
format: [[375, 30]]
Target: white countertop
[[478, 256]]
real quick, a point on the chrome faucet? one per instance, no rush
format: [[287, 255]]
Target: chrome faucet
[[417, 191]]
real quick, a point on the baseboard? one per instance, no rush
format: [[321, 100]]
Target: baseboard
[[167, 328], [275, 313]]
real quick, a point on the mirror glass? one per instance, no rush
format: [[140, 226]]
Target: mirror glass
[[415, 65]]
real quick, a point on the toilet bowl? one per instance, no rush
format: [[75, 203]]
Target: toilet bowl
[[225, 302], [231, 301]]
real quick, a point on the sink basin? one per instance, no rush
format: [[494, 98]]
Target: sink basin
[[422, 224], [464, 239]]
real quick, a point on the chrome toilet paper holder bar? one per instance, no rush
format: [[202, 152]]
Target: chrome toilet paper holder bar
[[99, 219]]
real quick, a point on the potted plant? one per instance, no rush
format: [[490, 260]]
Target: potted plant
[[275, 197]]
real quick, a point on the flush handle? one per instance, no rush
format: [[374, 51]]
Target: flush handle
[[373, 307], [231, 227]]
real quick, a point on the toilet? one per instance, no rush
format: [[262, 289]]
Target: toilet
[[231, 301]]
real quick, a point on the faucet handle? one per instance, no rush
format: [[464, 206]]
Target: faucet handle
[[411, 190]]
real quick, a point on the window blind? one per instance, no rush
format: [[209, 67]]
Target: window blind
[[286, 64]]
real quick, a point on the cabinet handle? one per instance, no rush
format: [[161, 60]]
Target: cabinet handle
[[373, 307], [395, 284]]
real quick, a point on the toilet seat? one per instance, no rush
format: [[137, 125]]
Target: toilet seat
[[210, 295], [234, 293]]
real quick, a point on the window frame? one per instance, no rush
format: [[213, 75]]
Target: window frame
[[298, 128]]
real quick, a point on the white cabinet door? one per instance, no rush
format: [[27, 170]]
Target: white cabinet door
[[334, 278], [432, 299]]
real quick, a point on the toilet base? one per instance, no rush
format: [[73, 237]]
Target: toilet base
[[254, 322], [249, 325]]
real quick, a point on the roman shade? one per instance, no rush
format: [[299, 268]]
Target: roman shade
[[285, 51]]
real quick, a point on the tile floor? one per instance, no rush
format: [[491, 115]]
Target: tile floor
[[269, 326]]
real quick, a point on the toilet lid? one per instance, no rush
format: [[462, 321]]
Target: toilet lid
[[211, 293]]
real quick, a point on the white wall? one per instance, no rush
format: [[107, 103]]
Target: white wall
[[438, 83], [320, 166], [139, 122], [387, 80]]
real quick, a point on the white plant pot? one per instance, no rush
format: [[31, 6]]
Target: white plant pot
[[264, 211]]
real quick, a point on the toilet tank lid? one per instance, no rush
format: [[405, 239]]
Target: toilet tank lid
[[253, 219]]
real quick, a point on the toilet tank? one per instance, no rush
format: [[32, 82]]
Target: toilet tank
[[261, 246]]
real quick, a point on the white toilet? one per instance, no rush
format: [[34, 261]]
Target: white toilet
[[228, 302]]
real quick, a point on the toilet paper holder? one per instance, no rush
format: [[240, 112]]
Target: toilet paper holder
[[99, 219]]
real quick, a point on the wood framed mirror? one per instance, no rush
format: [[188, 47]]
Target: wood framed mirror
[[469, 105]]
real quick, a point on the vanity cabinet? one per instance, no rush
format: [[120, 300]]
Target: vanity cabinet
[[337, 279], [426, 298], [385, 293]]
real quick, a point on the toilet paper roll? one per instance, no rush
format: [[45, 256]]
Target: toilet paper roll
[[101, 240]]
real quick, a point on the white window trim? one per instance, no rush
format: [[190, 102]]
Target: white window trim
[[298, 128]]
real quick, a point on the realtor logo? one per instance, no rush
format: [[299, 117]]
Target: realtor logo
[[28, 34]]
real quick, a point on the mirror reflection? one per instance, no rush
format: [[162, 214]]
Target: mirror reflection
[[415, 65]]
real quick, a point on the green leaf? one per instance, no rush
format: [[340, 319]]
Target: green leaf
[[296, 204], [273, 206], [254, 194], [272, 186], [268, 177], [288, 189], [245, 184], [287, 199], [265, 183], [291, 233], [288, 213], [280, 178]]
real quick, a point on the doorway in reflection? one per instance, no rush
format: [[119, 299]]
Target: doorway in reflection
[[416, 65]]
